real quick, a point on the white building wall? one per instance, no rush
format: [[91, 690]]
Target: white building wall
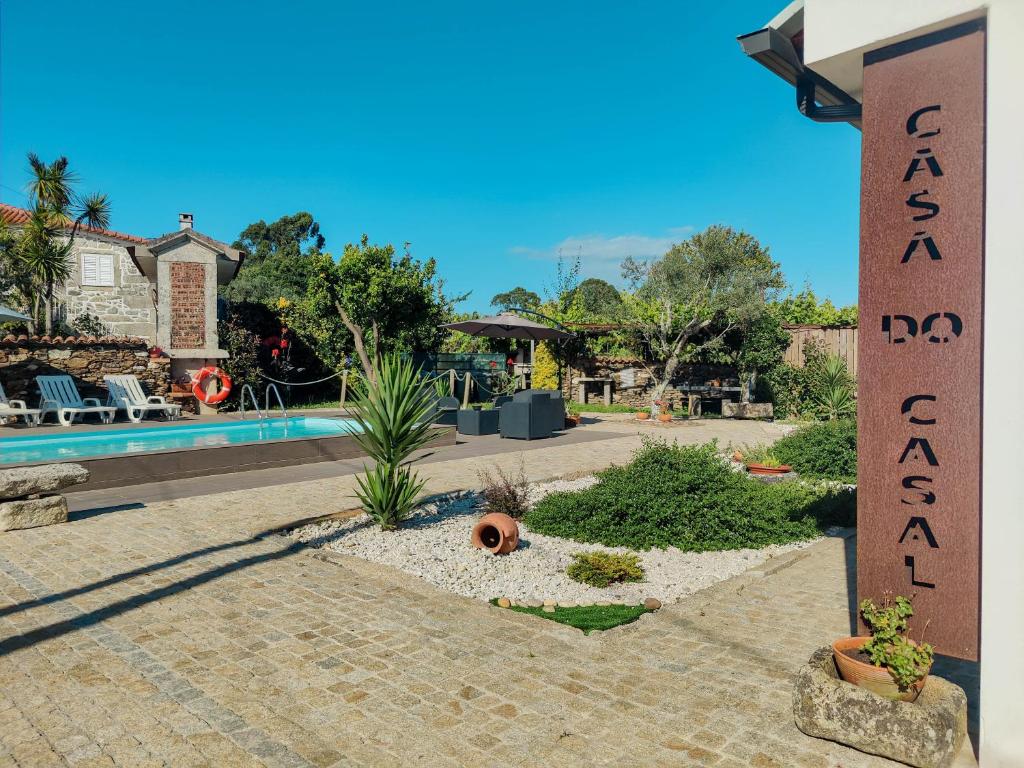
[[1002, 601]]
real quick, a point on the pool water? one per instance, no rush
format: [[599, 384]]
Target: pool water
[[55, 446]]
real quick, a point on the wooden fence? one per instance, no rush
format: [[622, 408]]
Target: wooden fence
[[836, 341]]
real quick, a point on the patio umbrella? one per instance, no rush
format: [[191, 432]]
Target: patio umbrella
[[507, 325], [8, 315]]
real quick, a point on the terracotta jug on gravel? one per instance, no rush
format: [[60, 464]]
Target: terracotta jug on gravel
[[497, 532]]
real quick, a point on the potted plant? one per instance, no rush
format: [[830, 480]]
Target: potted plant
[[156, 352], [761, 461], [663, 412], [643, 415], [768, 466], [887, 662]]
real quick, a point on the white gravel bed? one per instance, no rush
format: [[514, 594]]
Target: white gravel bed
[[434, 545]]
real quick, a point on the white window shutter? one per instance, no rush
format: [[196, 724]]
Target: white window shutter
[[97, 269], [106, 269], [90, 268]]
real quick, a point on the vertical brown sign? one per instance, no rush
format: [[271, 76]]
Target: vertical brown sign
[[920, 345]]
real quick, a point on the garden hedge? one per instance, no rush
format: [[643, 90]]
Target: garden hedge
[[689, 497], [825, 451]]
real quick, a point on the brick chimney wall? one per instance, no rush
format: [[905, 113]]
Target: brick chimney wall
[[188, 305]]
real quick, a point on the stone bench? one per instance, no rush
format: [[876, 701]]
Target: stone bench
[[27, 494]]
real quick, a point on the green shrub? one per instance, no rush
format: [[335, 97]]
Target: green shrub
[[600, 569], [688, 497], [821, 388], [890, 645], [506, 493], [826, 451]]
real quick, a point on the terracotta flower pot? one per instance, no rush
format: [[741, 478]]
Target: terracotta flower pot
[[867, 675], [737, 456], [761, 469], [642, 415], [497, 532], [664, 417], [572, 421]]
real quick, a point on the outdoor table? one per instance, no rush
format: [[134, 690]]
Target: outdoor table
[[581, 389], [477, 422]]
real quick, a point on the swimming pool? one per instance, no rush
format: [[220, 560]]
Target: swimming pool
[[55, 446]]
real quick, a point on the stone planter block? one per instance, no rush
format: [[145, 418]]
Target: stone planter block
[[18, 482], [32, 513], [926, 733], [747, 410]]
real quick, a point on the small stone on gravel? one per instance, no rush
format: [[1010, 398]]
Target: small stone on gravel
[[504, 602], [652, 603]]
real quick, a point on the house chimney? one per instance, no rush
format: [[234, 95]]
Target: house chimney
[[184, 221]]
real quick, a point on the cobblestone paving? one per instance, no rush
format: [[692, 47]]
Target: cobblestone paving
[[177, 634]]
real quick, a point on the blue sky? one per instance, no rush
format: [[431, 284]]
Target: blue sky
[[489, 135]]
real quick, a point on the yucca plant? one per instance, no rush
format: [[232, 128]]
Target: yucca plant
[[835, 396], [395, 411]]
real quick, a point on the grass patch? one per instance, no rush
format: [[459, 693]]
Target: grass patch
[[589, 618], [575, 407], [331, 403]]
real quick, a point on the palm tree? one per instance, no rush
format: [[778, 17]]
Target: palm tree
[[45, 256], [56, 208]]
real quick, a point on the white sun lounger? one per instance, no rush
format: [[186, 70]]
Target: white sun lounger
[[126, 393], [60, 397], [17, 409]]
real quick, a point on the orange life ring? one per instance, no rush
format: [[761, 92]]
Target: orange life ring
[[200, 392]]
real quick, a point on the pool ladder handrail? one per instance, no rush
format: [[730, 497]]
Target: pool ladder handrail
[[255, 402], [280, 402]]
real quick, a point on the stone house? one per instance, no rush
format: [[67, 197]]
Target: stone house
[[161, 289]]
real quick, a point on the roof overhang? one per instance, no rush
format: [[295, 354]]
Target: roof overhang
[[778, 47], [228, 260]]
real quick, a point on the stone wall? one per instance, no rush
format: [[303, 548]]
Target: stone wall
[[21, 360], [126, 308], [632, 383]]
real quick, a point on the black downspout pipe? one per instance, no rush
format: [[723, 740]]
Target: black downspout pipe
[[840, 113]]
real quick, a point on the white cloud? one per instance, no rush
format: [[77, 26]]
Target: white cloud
[[600, 254]]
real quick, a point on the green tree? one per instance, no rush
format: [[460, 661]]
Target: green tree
[[716, 281], [15, 280], [39, 259], [517, 297], [278, 265], [762, 350], [599, 298], [804, 308], [385, 303]]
